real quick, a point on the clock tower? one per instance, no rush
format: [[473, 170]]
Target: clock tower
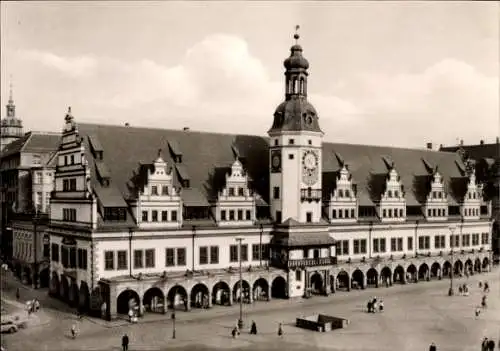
[[295, 148]]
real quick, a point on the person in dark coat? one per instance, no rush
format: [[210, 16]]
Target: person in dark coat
[[253, 328], [18, 294], [484, 345], [432, 347], [491, 345], [280, 330], [125, 342]]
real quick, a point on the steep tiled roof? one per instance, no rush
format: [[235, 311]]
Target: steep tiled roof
[[206, 156], [477, 152], [33, 142]]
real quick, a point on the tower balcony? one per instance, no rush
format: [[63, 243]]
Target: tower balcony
[[309, 194], [305, 262]]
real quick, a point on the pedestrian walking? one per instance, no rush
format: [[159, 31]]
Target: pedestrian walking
[[234, 332], [73, 331], [18, 294], [432, 347], [491, 345], [125, 342], [484, 344], [381, 305], [280, 329], [480, 284], [130, 315], [478, 311], [253, 329]]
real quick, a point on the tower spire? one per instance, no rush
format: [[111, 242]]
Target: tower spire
[[11, 86], [296, 36]]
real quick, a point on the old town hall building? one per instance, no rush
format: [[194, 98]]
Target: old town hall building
[[147, 219]]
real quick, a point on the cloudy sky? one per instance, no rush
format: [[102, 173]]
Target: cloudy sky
[[384, 73]]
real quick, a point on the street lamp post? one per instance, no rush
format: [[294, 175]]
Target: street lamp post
[[452, 230], [240, 320], [173, 320]]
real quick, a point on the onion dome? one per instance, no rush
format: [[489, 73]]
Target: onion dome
[[296, 114], [296, 60]]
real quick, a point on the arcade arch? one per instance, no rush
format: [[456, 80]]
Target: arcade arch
[[221, 293], [153, 300], [260, 290], [126, 301], [199, 296], [279, 288]]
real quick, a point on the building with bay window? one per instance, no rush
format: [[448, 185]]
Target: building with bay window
[[149, 217]]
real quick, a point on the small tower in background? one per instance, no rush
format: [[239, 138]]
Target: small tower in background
[[11, 127]]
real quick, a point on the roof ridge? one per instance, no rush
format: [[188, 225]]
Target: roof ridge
[[30, 135]]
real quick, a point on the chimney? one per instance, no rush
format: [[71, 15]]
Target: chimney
[[481, 142], [127, 124], [429, 146], [186, 129], [498, 140], [461, 142]]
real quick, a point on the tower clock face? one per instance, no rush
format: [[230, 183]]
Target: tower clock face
[[310, 162], [275, 161]]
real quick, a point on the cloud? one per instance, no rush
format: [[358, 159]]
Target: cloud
[[219, 85]]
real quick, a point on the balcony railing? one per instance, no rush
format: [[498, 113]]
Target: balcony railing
[[310, 195], [309, 262]]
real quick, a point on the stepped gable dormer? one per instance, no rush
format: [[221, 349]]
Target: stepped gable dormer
[[159, 203], [235, 202], [341, 206], [436, 204], [392, 204], [473, 197]]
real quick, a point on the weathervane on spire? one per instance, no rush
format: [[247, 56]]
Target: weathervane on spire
[[11, 86], [296, 36]]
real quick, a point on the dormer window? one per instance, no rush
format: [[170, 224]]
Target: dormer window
[[341, 193], [231, 191], [389, 193], [154, 190], [240, 192], [396, 193], [186, 183], [347, 193], [164, 190]]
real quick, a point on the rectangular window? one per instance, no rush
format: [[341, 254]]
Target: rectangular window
[[109, 260], [214, 254], [72, 257], [64, 256], [154, 190], [144, 216], [421, 243], [169, 257], [69, 214], [223, 215], [291, 141], [233, 253], [55, 252], [475, 239], [355, 247], [231, 191], [400, 244], [290, 156], [409, 243], [362, 244], [240, 215], [72, 158], [265, 251], [181, 256], [154, 216], [382, 245], [248, 215], [164, 190], [244, 252], [309, 217], [150, 258], [384, 213], [231, 215], [345, 247], [334, 213], [298, 275], [138, 259], [353, 213], [122, 260], [485, 238], [164, 216], [278, 216], [376, 248], [65, 184], [72, 184], [393, 244], [203, 255], [466, 240], [174, 216], [255, 252], [276, 192], [241, 192]]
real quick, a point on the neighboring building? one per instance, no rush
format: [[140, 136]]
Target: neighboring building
[[150, 217], [26, 178], [486, 160], [11, 127]]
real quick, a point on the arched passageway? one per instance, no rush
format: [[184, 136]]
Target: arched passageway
[[423, 272], [153, 300], [199, 296], [27, 278], [74, 294], [411, 274], [261, 290], [486, 264], [316, 284], [54, 284], [221, 293], [177, 297], [126, 301], [469, 267], [386, 276], [435, 270], [44, 278], [477, 265], [358, 279], [84, 298], [279, 288], [244, 287], [458, 268], [64, 294], [399, 275], [342, 280], [372, 277], [446, 269]]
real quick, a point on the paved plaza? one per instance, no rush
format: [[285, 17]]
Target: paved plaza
[[414, 316]]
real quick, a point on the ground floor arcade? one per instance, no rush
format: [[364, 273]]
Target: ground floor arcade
[[163, 292], [34, 274]]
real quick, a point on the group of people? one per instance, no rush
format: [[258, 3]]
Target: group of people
[[488, 345], [374, 305], [463, 290], [253, 329]]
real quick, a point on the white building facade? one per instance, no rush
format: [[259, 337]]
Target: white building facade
[[148, 219]]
